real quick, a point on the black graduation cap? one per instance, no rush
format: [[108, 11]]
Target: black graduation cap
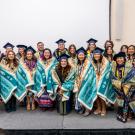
[[22, 46], [92, 40], [8, 45], [98, 50], [120, 54], [60, 41], [81, 49], [64, 56], [30, 49]]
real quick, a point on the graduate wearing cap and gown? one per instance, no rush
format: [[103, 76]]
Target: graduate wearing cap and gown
[[61, 49], [97, 85], [8, 81], [123, 80], [32, 79], [85, 79], [91, 47], [105, 92], [61, 83], [8, 46], [21, 52]]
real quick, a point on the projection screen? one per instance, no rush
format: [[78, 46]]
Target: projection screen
[[30, 21]]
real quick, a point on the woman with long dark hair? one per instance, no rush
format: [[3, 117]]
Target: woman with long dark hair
[[108, 43], [11, 65], [83, 83], [104, 94], [30, 63], [131, 53], [72, 53], [48, 62], [109, 53], [61, 83]]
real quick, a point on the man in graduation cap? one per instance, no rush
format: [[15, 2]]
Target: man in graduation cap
[[21, 51], [61, 49], [40, 49], [8, 46], [91, 47], [62, 82]]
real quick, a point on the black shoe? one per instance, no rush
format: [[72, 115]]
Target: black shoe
[[121, 119]]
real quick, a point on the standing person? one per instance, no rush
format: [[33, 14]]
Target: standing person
[[97, 86], [20, 56], [123, 79], [102, 69], [109, 43], [131, 53], [91, 47], [30, 63], [7, 47], [84, 69], [48, 62], [10, 64], [73, 62], [109, 53], [40, 49], [21, 51], [61, 84], [61, 49]]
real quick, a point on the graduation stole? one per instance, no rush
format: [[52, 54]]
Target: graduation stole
[[120, 72]]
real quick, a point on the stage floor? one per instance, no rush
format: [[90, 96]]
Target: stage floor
[[21, 119]]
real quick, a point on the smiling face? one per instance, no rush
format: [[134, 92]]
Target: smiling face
[[47, 54], [92, 46], [97, 56], [131, 50], [29, 55], [72, 50], [21, 50], [11, 55], [109, 51], [63, 62], [120, 60], [40, 46], [124, 49], [81, 56]]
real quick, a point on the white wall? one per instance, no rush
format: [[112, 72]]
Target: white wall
[[123, 22], [30, 21]]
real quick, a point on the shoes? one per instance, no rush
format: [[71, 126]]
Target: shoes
[[121, 119], [97, 112], [103, 113], [87, 113]]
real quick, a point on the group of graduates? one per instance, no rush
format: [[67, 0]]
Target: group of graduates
[[88, 80]]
